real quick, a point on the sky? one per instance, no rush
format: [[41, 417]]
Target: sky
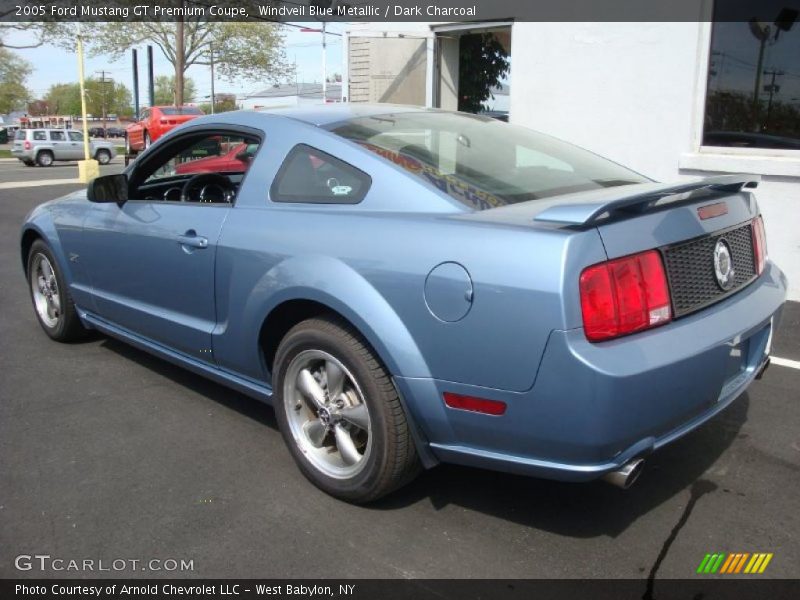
[[54, 65]]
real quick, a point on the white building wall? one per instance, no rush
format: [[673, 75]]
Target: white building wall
[[634, 92]]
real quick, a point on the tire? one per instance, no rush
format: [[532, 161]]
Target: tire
[[147, 140], [62, 325], [103, 157], [128, 150], [385, 457], [45, 158]]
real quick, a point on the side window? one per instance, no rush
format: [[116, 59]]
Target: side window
[[75, 136], [206, 168], [40, 136], [57, 136], [308, 175]]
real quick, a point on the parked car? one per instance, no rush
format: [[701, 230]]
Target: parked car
[[155, 122], [97, 132], [408, 287], [115, 132], [44, 146], [230, 158]]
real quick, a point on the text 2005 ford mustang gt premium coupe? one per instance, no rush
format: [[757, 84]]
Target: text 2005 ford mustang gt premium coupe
[[409, 286]]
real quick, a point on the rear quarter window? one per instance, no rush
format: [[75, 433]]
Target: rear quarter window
[[309, 175], [20, 134]]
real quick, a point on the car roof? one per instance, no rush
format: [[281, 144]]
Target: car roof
[[326, 114]]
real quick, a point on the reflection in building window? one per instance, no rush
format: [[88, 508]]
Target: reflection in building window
[[753, 94]]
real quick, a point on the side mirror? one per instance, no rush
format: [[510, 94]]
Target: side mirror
[[108, 188]]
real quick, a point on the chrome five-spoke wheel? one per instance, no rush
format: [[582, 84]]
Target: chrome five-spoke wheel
[[52, 302], [44, 287], [327, 414], [339, 412]]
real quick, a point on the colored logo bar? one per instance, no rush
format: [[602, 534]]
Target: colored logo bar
[[735, 562]]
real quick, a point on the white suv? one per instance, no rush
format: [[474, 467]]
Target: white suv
[[43, 146]]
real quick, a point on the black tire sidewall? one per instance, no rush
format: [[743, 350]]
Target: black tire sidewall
[[361, 484]]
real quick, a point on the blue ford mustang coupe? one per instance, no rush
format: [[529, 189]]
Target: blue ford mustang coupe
[[409, 286]]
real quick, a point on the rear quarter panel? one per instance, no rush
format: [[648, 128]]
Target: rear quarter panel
[[370, 262]]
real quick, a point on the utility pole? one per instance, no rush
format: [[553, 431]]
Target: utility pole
[[213, 97], [773, 89], [324, 67], [103, 81]]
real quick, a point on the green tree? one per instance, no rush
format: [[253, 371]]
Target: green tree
[[165, 92], [14, 72], [65, 98], [482, 65], [115, 97], [241, 50], [222, 103]]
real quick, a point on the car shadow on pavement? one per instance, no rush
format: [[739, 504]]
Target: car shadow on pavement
[[249, 407], [581, 510]]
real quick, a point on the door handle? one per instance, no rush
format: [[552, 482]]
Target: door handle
[[191, 239]]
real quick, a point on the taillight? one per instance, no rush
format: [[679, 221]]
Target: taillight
[[473, 404], [27, 145], [163, 121], [759, 244], [624, 295]]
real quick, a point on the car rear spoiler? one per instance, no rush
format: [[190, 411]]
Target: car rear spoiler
[[641, 198]]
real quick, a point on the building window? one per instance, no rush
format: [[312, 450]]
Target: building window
[[753, 94]]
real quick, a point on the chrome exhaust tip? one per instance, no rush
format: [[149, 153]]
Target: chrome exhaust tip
[[627, 475]]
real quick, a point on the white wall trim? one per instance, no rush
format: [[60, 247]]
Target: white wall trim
[[781, 166], [701, 76]]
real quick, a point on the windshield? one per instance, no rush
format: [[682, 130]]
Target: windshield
[[180, 110], [482, 162]]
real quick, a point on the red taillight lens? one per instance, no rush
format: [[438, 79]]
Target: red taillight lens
[[759, 244], [473, 404], [27, 145], [624, 295], [163, 121]]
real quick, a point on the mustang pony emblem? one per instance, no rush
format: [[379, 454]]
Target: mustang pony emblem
[[723, 265]]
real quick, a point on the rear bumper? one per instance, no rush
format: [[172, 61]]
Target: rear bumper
[[594, 407]]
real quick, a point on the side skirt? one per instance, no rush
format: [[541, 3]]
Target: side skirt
[[246, 386]]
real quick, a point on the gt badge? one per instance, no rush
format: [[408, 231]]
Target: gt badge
[[723, 264]]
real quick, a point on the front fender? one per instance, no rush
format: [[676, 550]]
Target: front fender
[[40, 223]]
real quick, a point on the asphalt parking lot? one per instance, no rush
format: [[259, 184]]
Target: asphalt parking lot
[[106, 453]]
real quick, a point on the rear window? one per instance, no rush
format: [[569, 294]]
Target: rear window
[[181, 110], [20, 134], [482, 162]]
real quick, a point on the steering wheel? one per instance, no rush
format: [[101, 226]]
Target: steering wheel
[[215, 188]]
